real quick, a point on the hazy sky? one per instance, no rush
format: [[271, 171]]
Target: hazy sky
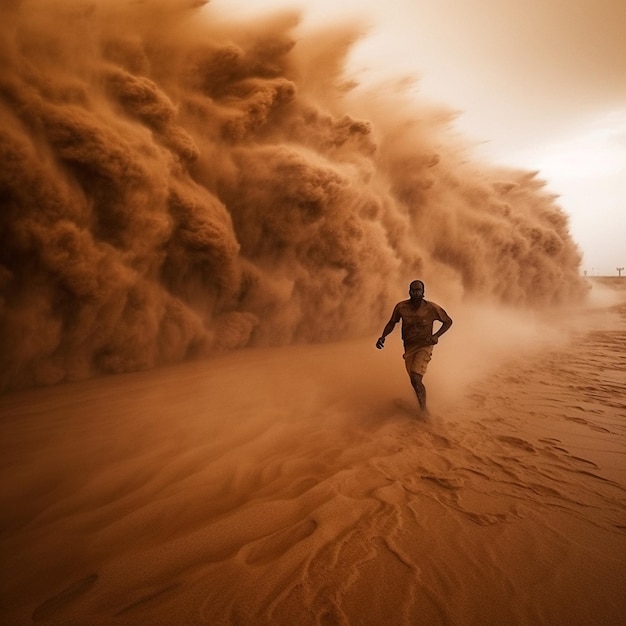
[[539, 83]]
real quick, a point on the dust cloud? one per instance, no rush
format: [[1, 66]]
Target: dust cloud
[[177, 184]]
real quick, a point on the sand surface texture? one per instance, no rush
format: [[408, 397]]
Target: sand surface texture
[[296, 486]]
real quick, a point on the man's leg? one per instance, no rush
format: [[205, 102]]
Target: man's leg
[[420, 391]]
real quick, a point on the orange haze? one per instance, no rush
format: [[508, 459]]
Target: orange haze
[[175, 184]]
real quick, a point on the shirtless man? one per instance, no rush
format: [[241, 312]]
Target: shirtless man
[[418, 316]]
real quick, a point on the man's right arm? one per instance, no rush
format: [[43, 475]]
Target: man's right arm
[[391, 324]]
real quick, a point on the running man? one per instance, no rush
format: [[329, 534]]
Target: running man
[[418, 316]]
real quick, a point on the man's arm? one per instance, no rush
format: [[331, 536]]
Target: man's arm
[[389, 326], [446, 322]]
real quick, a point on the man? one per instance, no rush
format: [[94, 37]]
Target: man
[[418, 316]]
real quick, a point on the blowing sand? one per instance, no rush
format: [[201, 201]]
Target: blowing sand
[[180, 184], [292, 486]]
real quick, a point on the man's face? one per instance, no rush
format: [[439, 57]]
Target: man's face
[[416, 291]]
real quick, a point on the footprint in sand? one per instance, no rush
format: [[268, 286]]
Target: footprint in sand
[[440, 441]]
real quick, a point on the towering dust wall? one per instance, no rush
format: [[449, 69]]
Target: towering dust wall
[[175, 184]]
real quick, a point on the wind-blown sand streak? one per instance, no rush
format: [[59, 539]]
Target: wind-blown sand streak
[[283, 486]]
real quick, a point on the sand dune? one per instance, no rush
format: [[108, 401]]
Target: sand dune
[[294, 485]]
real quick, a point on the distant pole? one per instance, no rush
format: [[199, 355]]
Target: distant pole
[[619, 271]]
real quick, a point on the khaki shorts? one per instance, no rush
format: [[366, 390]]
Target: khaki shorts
[[416, 361]]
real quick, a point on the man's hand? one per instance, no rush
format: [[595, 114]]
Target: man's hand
[[434, 340], [380, 343]]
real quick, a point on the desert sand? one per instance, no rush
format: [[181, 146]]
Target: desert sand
[[296, 486], [205, 222]]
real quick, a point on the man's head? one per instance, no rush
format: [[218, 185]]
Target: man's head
[[416, 290]]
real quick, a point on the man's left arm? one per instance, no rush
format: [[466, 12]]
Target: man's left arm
[[446, 322]]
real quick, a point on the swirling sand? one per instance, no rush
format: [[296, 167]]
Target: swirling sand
[[298, 486]]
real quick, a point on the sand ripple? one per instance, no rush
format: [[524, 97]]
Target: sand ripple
[[174, 497]]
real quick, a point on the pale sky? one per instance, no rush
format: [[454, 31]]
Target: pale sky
[[539, 84]]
